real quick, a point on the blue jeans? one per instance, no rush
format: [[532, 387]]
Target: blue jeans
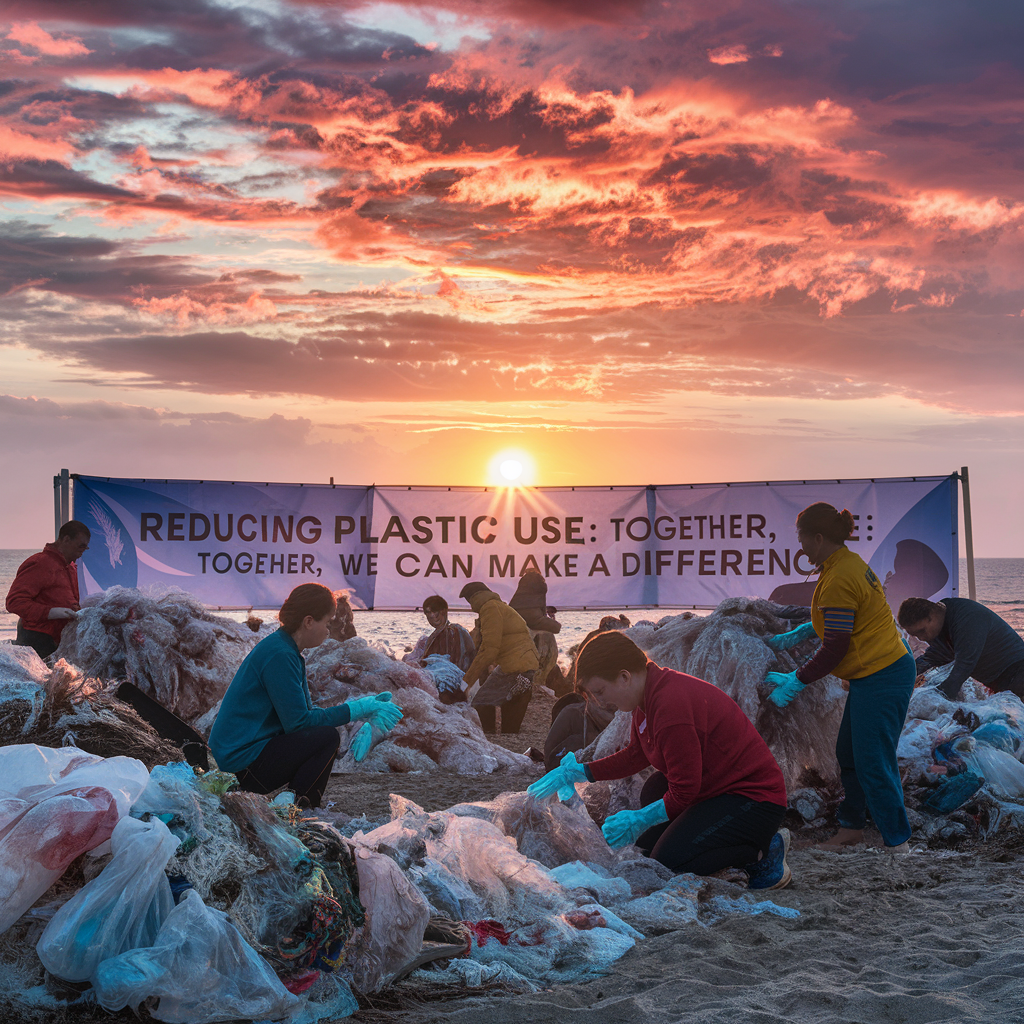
[[876, 709]]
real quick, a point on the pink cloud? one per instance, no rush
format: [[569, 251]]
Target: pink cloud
[[29, 33]]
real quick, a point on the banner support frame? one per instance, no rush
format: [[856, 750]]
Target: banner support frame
[[965, 484]]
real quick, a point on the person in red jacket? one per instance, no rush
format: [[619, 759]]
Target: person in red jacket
[[44, 594], [718, 796]]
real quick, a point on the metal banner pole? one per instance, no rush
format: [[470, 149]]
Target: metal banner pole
[[56, 507], [65, 496], [965, 483]]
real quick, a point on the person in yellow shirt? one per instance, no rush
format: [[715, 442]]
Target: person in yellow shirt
[[860, 643]]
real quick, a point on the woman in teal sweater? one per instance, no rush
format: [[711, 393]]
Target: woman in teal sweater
[[267, 731]]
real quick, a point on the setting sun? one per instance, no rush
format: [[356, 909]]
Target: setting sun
[[512, 467]]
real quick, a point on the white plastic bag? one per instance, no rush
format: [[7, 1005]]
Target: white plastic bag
[[122, 908], [43, 838], [199, 970]]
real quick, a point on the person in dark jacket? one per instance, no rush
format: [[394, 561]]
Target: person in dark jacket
[[531, 601], [575, 723], [976, 640], [44, 594]]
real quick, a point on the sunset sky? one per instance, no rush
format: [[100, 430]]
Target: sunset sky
[[645, 243]]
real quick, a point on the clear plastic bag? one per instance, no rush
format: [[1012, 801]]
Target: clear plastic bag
[[199, 970], [121, 909]]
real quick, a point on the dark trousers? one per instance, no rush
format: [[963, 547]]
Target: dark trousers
[[43, 644], [512, 714], [727, 831], [301, 761], [1011, 679], [876, 709]]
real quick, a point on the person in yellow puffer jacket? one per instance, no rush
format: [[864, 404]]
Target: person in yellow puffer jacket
[[506, 660]]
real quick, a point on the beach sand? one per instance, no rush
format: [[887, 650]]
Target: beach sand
[[936, 936]]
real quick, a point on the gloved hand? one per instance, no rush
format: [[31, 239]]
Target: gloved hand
[[377, 710], [623, 828], [787, 686], [784, 641], [360, 746], [62, 613], [562, 780]]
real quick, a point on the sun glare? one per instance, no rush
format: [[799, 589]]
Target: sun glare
[[512, 468]]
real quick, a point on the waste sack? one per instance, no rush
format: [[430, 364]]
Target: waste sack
[[121, 909], [198, 970]]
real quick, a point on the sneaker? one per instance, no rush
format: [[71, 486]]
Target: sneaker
[[772, 872]]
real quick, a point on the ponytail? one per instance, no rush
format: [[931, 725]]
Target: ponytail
[[826, 519], [306, 599]]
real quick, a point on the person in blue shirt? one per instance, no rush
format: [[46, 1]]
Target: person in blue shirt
[[267, 731]]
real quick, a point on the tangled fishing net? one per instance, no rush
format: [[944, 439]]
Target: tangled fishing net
[[66, 708], [163, 641], [430, 736]]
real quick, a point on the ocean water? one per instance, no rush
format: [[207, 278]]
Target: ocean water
[[1000, 585]]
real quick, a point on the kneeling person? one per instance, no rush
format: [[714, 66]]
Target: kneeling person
[[718, 796], [267, 731]]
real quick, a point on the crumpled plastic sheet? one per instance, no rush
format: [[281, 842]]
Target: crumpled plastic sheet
[[396, 918], [162, 640], [548, 831], [200, 969]]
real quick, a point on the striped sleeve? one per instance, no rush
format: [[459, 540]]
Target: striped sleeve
[[834, 645]]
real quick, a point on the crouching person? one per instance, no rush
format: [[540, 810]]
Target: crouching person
[[718, 796], [267, 731]]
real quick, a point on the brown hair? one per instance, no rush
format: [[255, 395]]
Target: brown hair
[[826, 519], [435, 603], [914, 610], [306, 599], [605, 656]]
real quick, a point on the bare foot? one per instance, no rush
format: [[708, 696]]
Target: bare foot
[[843, 840]]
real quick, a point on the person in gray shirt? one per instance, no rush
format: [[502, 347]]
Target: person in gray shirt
[[975, 639]]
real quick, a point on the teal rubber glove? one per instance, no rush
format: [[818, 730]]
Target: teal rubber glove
[[784, 641], [787, 686], [360, 746], [623, 828], [377, 710], [561, 780]]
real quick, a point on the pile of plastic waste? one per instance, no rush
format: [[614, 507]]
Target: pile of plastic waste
[[431, 735], [60, 706], [163, 641], [961, 760], [125, 887], [727, 648]]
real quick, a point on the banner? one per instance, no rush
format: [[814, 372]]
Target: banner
[[248, 544]]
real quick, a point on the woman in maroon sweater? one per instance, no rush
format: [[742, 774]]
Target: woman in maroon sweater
[[718, 796]]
